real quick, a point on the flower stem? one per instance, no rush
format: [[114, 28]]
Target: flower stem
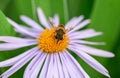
[[66, 14], [33, 9]]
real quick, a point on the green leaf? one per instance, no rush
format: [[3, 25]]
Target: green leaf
[[6, 30], [28, 7], [114, 64], [50, 7], [80, 7], [17, 8], [3, 4], [105, 18]]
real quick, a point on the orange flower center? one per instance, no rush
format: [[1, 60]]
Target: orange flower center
[[48, 42]]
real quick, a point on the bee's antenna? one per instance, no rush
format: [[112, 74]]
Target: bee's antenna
[[69, 29], [51, 22]]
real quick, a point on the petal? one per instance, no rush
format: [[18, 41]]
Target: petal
[[57, 19], [90, 61], [42, 18], [75, 22], [65, 69], [31, 22], [84, 34], [33, 30], [94, 51], [10, 39], [81, 25], [50, 67], [13, 60], [28, 68], [18, 27], [86, 42], [19, 64], [45, 67], [37, 66], [77, 65], [60, 66], [69, 67], [56, 68], [30, 29], [70, 22], [12, 46]]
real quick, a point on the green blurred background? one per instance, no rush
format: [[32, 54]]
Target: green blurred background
[[105, 16]]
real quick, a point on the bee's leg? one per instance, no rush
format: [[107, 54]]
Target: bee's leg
[[57, 41], [51, 22], [67, 30]]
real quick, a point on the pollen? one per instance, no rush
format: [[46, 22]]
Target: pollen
[[48, 43]]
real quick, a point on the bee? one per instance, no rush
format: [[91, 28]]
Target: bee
[[60, 31]]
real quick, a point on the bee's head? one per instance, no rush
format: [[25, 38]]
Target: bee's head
[[60, 25]]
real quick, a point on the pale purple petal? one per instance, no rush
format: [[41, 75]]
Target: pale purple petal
[[69, 67], [74, 22], [64, 67], [86, 31], [70, 21], [81, 25], [13, 60], [18, 27], [28, 68], [37, 66], [84, 34], [19, 64], [60, 66], [57, 19], [94, 51], [45, 67], [86, 42], [12, 46], [50, 67], [33, 30], [42, 18], [78, 66], [56, 71], [10, 39], [91, 61], [31, 23]]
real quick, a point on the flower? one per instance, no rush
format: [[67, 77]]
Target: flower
[[51, 58]]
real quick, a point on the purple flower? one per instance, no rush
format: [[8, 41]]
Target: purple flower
[[51, 57]]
